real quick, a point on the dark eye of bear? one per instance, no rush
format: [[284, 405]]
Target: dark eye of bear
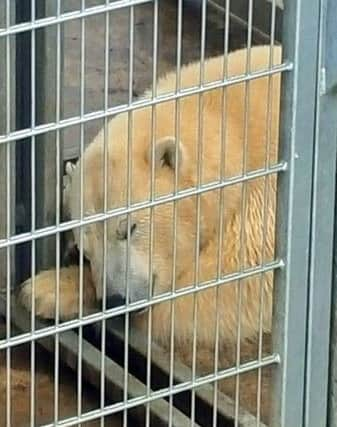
[[123, 234]]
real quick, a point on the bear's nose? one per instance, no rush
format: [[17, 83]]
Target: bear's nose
[[114, 301]]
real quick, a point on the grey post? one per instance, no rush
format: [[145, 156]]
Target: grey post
[[297, 133], [321, 251]]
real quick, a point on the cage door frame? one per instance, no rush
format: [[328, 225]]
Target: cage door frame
[[301, 30]]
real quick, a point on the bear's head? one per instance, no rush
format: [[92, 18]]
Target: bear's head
[[147, 247]]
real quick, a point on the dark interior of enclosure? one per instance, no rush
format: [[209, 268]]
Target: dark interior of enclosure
[[238, 39], [23, 149], [159, 378]]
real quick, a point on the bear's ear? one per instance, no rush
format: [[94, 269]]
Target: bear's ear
[[165, 153]]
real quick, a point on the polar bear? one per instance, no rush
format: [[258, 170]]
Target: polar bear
[[201, 236]]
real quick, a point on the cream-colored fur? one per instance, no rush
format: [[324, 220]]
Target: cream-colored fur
[[242, 242]]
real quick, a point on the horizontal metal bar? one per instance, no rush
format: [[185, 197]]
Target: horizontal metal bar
[[100, 114], [175, 389], [108, 314], [69, 16], [70, 225]]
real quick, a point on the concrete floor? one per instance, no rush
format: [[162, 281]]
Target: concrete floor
[[94, 99], [20, 389]]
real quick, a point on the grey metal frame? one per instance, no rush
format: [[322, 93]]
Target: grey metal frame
[[303, 288], [300, 46], [322, 229]]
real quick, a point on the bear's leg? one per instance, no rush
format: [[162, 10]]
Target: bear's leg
[[45, 293]]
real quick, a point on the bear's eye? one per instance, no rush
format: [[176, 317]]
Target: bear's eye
[[122, 230]]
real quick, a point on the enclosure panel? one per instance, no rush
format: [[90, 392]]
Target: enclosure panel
[[299, 185], [300, 44]]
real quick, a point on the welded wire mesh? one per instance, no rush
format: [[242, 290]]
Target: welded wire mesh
[[75, 113]]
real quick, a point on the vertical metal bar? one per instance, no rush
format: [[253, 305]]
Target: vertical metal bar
[[8, 219], [198, 204], [175, 207], [221, 206], [222, 172], [105, 207], [243, 208], [80, 299], [152, 196], [8, 288], [321, 254], [266, 201], [58, 213], [33, 211], [4, 124], [128, 201], [300, 46]]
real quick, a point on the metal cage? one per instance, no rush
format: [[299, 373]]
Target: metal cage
[[66, 69]]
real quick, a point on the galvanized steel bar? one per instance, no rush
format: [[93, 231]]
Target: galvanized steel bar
[[82, 213], [130, 131], [266, 201], [221, 210], [300, 46], [7, 77], [58, 191], [105, 206], [33, 212], [152, 189]]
